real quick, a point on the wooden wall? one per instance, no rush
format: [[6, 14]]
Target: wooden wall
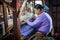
[[54, 6]]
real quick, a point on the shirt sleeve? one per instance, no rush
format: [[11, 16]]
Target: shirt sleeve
[[35, 22]]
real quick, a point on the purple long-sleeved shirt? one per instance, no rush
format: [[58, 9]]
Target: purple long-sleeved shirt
[[41, 23]]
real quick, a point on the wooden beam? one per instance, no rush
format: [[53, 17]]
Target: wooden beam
[[16, 21], [5, 15], [22, 8], [8, 4], [43, 2]]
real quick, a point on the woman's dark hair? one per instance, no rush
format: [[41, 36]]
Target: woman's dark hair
[[38, 6]]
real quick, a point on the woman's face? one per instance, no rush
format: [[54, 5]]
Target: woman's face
[[37, 11]]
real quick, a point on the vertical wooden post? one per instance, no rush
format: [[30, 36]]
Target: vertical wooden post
[[43, 2], [16, 22], [5, 15]]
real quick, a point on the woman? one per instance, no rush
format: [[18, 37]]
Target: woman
[[42, 23]]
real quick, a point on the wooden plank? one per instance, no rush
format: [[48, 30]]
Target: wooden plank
[[56, 17], [57, 5], [55, 12], [58, 20]]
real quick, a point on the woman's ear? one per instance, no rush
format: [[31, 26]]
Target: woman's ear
[[38, 10]]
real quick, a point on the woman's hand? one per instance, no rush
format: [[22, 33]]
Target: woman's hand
[[26, 20], [34, 17]]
